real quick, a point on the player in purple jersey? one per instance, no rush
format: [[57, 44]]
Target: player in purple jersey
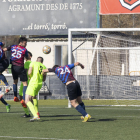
[[18, 52], [4, 63], [73, 87]]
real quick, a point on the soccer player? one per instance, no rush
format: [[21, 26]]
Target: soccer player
[[18, 52], [4, 63], [26, 66], [35, 84], [73, 87]]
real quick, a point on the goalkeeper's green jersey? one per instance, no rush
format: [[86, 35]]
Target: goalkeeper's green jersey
[[37, 76], [26, 66]]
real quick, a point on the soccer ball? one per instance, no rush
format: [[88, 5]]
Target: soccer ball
[[46, 49]]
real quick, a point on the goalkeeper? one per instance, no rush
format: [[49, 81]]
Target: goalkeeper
[[73, 87], [35, 84], [26, 67]]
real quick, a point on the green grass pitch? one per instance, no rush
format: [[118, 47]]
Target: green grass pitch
[[61, 123]]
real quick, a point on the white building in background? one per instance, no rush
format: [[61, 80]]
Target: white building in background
[[59, 52], [58, 55]]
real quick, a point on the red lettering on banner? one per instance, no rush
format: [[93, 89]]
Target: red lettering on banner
[[119, 6]]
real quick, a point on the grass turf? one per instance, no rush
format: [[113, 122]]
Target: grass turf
[[61, 123]]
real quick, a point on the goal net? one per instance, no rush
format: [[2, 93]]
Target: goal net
[[112, 65]]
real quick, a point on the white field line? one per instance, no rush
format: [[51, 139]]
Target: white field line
[[77, 115], [111, 108], [42, 114], [95, 108], [39, 107], [34, 138]]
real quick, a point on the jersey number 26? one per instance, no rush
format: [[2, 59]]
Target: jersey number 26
[[16, 54]]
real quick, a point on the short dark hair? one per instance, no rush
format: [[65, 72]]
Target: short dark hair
[[1, 44], [55, 66], [21, 39], [40, 59], [30, 53]]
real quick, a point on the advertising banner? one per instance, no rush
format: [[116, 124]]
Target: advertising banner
[[45, 17], [119, 7]]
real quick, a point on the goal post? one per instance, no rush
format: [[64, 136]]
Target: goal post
[[111, 57]]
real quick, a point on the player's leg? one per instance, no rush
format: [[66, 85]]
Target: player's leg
[[2, 77], [27, 114], [22, 103], [15, 78], [23, 79], [21, 92], [79, 94], [78, 107], [15, 90], [4, 65], [23, 97], [30, 92], [81, 103], [72, 93], [79, 100], [35, 101], [5, 103], [24, 89]]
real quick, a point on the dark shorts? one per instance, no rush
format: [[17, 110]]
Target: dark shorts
[[74, 90], [4, 65], [19, 71]]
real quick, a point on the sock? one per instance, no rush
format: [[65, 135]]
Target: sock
[[24, 91], [81, 110], [82, 105], [35, 101], [15, 89], [3, 101], [32, 109], [2, 77], [26, 111]]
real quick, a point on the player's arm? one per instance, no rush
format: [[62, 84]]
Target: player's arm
[[79, 64], [7, 49], [26, 67], [2, 44], [71, 66], [26, 53], [30, 71], [48, 70], [4, 49], [45, 71]]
